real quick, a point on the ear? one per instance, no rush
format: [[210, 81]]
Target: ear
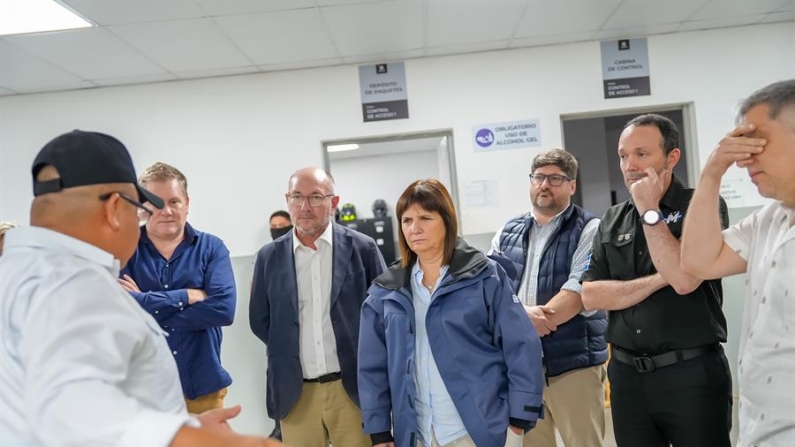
[[573, 186], [673, 157], [111, 211], [187, 205], [334, 202]]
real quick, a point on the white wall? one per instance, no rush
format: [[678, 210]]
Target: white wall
[[239, 138]]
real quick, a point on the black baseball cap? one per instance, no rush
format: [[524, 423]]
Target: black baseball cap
[[87, 158]]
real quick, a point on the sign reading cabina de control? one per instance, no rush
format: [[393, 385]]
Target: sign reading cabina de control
[[384, 95], [510, 135], [625, 68]]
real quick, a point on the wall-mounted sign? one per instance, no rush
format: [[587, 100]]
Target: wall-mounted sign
[[511, 135], [383, 88], [625, 68]]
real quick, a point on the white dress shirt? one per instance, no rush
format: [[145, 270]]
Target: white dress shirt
[[313, 272], [81, 363], [766, 240]]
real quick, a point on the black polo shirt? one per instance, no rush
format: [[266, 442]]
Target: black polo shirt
[[665, 320]]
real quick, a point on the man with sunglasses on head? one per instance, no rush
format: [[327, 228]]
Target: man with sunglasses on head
[[183, 278], [545, 252], [307, 292], [82, 363]]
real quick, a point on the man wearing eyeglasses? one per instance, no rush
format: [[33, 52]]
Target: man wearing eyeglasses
[[82, 363], [183, 278], [307, 292], [545, 252]]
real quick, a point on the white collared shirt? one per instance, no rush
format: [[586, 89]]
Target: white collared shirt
[[766, 240], [313, 272], [82, 363]]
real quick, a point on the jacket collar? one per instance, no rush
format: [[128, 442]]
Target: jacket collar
[[467, 262]]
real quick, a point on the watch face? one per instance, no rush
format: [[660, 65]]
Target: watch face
[[651, 217]]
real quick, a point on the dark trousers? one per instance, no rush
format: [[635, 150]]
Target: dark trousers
[[687, 404]]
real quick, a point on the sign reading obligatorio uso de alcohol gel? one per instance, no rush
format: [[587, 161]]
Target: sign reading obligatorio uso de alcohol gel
[[510, 135], [383, 88]]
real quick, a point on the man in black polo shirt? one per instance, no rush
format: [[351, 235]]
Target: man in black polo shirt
[[670, 381]]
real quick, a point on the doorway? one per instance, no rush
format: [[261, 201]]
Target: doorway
[[380, 168], [593, 139]]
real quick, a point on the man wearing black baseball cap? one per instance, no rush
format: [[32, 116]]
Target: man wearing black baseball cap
[[83, 363]]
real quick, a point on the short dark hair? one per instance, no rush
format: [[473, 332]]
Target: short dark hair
[[777, 95], [280, 213], [558, 157], [431, 195], [667, 128]]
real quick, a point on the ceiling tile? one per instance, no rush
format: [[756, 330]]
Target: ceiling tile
[[231, 7], [538, 41], [779, 17], [300, 65], [279, 37], [136, 80], [362, 29], [455, 23], [343, 2], [217, 72], [720, 23], [384, 57], [184, 45], [547, 18], [787, 6], [24, 73], [717, 9], [634, 32], [636, 14], [114, 12], [91, 53], [467, 48]]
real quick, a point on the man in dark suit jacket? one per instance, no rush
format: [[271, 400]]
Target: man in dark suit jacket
[[306, 296]]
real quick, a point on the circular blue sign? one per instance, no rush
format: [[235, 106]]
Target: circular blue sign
[[484, 138]]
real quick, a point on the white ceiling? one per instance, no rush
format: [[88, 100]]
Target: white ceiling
[[139, 41]]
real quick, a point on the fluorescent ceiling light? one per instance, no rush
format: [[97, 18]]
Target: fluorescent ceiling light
[[339, 147], [35, 16]]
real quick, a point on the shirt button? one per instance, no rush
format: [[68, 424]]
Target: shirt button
[[179, 304], [166, 286], [175, 352], [166, 265], [157, 312], [637, 331]]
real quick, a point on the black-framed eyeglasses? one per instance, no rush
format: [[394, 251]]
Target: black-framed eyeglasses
[[553, 179], [314, 199], [144, 213]]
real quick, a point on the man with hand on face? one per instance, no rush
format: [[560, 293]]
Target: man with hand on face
[[306, 298], [669, 379], [548, 247], [763, 245], [82, 363], [183, 277]]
